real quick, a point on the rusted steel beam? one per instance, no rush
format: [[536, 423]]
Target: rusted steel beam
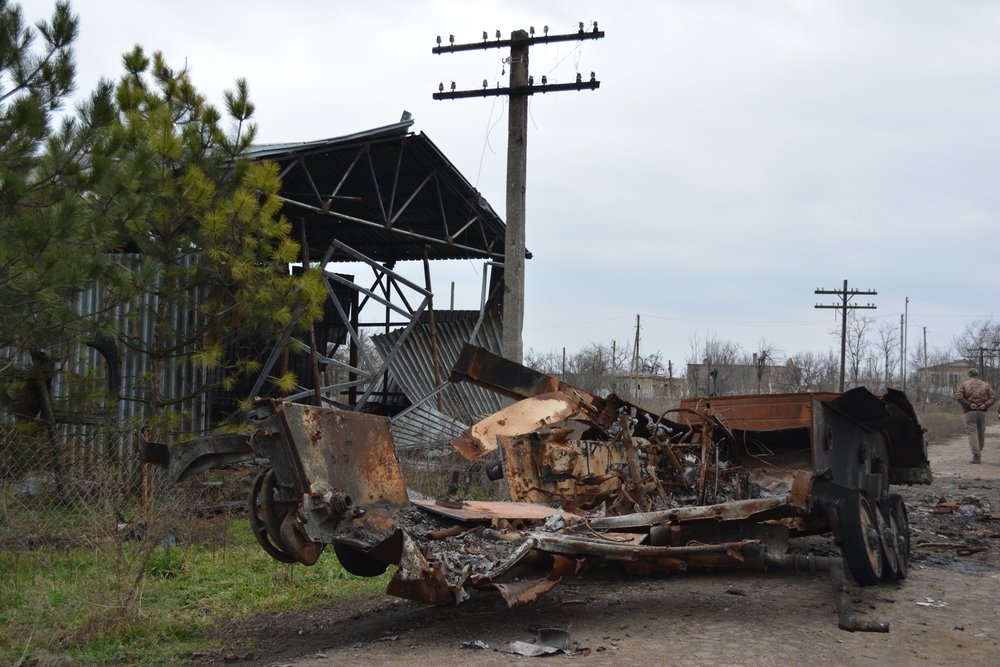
[[482, 510], [757, 509], [557, 543], [491, 371], [636, 488]]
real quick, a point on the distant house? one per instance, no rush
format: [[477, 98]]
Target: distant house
[[645, 386], [708, 379], [941, 381]]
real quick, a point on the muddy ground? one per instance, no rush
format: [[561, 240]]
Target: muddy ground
[[946, 612]]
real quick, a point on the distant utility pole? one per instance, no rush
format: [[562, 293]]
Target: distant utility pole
[[902, 347], [982, 357], [906, 331], [925, 347], [520, 87], [635, 350], [844, 305]]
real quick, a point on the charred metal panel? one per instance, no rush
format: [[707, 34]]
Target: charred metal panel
[[343, 467], [847, 454], [894, 417], [766, 412], [547, 467], [507, 378], [522, 417]]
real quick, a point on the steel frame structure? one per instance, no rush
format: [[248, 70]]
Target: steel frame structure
[[376, 198]]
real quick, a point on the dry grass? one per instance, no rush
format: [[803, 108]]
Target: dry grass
[[943, 421], [432, 476]]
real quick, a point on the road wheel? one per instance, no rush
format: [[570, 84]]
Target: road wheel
[[888, 533], [262, 515], [859, 539], [896, 509]]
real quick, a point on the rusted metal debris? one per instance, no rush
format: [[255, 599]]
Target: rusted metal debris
[[720, 482]]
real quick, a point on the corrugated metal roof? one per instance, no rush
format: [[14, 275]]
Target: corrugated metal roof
[[295, 149], [413, 367], [388, 193], [424, 427]]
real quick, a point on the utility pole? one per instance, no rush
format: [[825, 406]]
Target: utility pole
[[844, 305], [521, 86], [926, 396], [670, 377], [906, 330], [635, 359], [925, 347], [982, 357], [902, 347]]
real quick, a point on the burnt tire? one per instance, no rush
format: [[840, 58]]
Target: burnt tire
[[859, 539]]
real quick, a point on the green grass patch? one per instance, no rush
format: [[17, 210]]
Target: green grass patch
[[129, 603]]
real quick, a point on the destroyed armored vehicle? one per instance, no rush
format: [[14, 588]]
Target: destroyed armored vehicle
[[718, 482]]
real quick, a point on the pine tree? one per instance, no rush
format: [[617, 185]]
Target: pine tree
[[144, 189], [53, 241], [213, 250]]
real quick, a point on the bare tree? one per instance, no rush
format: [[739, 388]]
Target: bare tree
[[887, 347], [717, 351], [979, 342], [549, 363], [652, 364], [590, 368], [858, 345], [814, 371], [763, 358]]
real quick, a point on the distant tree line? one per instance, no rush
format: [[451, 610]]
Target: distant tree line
[[872, 360]]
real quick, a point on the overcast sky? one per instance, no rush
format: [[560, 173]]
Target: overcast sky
[[737, 155]]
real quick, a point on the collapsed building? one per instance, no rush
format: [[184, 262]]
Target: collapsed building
[[592, 480]]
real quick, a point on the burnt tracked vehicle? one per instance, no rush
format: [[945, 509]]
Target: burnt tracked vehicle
[[718, 482]]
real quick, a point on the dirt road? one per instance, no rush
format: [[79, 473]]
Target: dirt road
[[946, 612]]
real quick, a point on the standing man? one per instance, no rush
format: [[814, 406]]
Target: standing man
[[976, 397]]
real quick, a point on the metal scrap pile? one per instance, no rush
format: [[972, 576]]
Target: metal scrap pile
[[720, 482]]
